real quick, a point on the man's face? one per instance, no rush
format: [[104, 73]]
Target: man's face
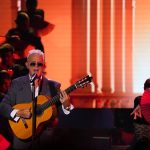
[[35, 64]]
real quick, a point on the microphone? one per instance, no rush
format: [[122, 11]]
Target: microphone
[[33, 77]]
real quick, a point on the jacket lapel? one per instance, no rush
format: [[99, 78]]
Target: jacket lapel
[[44, 89], [27, 87]]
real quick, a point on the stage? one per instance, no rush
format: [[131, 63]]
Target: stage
[[94, 129], [91, 129]]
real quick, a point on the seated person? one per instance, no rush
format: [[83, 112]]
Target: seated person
[[5, 81], [23, 36], [9, 63], [6, 54]]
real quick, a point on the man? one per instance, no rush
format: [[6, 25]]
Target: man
[[20, 92]]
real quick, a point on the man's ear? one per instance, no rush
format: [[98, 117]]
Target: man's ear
[[27, 65]]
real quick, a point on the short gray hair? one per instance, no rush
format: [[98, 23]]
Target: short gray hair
[[35, 51]]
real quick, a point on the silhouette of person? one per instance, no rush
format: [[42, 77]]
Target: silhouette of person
[[5, 82], [6, 55], [23, 36], [8, 62], [37, 19]]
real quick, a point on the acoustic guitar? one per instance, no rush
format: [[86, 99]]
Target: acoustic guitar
[[23, 128]]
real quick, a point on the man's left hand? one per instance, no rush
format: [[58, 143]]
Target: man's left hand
[[64, 99]]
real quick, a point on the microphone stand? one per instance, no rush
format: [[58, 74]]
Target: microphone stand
[[34, 100]]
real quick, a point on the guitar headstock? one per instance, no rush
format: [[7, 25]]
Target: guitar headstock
[[84, 81]]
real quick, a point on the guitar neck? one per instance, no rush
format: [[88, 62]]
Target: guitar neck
[[56, 98], [81, 83]]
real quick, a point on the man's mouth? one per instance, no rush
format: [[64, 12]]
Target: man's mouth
[[35, 70]]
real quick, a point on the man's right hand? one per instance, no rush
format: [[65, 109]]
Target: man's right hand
[[24, 113]]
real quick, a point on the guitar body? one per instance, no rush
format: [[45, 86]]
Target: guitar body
[[19, 128]]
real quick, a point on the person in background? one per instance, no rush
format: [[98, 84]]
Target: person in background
[[141, 126], [40, 26], [23, 37], [6, 54], [5, 82], [8, 62]]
